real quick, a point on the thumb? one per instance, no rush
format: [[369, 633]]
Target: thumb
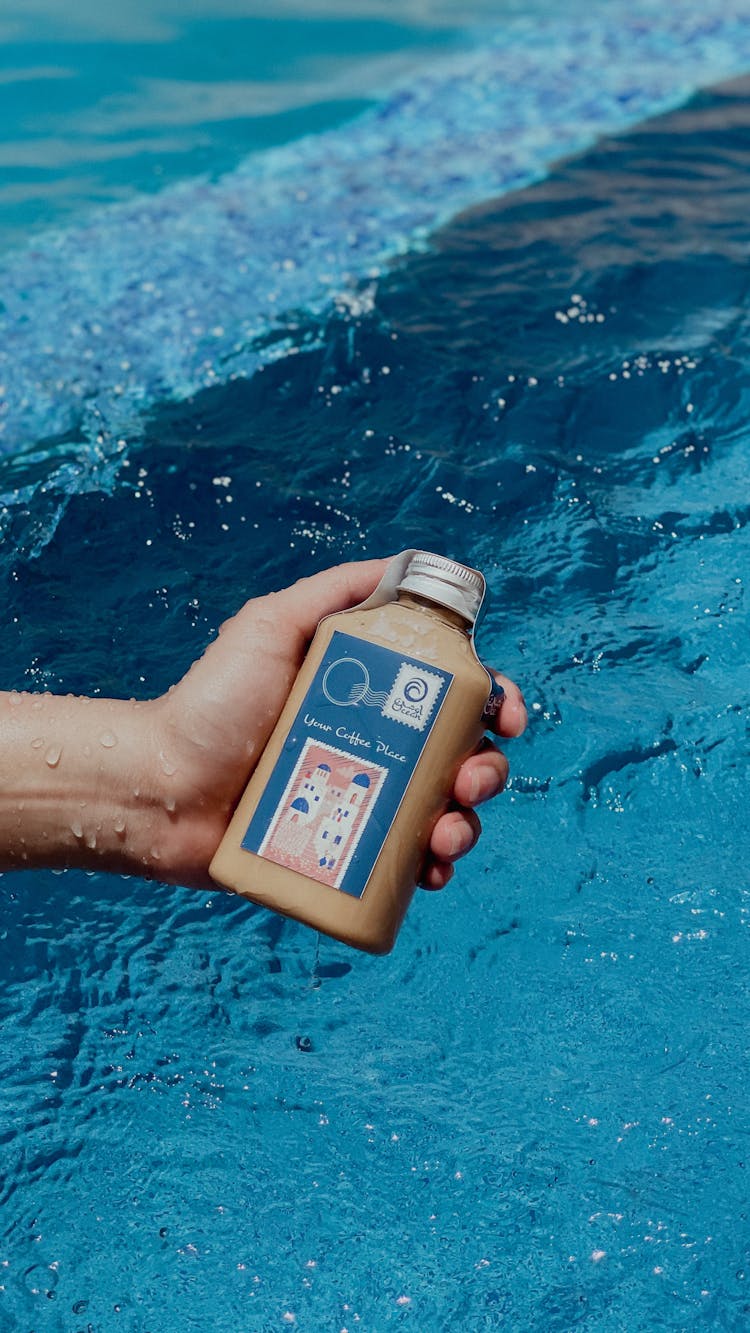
[[269, 636], [297, 610]]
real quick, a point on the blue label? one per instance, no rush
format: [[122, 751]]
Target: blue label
[[346, 763]]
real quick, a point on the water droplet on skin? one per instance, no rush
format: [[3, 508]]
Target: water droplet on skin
[[155, 855], [37, 743], [167, 766], [14, 697], [170, 805], [76, 829], [52, 755], [90, 840], [108, 739], [119, 824]]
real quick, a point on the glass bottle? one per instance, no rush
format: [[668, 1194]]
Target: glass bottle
[[336, 820]]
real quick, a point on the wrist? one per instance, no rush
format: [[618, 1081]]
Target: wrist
[[78, 784]]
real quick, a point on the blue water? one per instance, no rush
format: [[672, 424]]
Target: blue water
[[534, 1113], [98, 103], [171, 292]]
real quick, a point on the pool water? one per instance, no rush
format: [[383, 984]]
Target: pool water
[[534, 1113], [100, 101]]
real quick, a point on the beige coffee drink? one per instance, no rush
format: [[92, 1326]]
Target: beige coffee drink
[[336, 820]]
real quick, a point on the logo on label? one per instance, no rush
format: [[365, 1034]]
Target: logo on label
[[412, 696], [346, 683]]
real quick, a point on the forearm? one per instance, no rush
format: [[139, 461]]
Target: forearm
[[79, 784]]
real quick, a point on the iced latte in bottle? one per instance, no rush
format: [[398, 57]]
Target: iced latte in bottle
[[336, 820]]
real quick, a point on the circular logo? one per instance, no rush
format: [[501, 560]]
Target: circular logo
[[346, 681], [415, 690]]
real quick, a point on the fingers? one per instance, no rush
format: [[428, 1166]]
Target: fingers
[[511, 716], [453, 836], [482, 776], [437, 874], [479, 778]]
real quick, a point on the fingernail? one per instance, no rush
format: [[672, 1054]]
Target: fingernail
[[485, 783], [462, 839], [457, 839]]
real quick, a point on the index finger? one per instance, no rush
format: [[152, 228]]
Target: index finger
[[511, 717]]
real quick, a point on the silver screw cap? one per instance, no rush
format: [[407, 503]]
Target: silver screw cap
[[446, 582]]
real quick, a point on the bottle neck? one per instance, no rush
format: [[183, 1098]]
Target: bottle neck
[[416, 602]]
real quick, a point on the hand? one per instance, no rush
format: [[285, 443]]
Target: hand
[[147, 788], [211, 728]]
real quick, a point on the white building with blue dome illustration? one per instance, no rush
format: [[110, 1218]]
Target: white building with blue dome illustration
[[334, 830]]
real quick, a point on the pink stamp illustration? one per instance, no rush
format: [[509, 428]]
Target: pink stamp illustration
[[323, 812]]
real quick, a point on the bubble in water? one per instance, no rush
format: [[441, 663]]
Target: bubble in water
[[108, 739], [303, 1044], [52, 755], [41, 1279]]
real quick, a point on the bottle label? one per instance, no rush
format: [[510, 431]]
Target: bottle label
[[346, 763]]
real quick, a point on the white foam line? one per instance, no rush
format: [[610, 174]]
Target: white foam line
[[164, 295]]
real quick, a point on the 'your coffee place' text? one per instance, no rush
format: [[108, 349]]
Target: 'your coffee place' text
[[354, 738]]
